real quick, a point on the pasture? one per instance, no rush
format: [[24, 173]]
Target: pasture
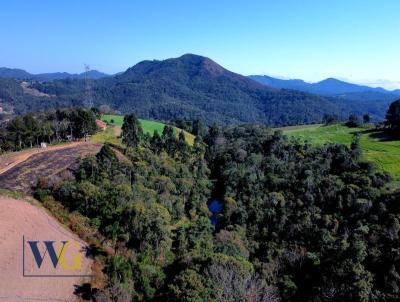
[[377, 147], [148, 126]]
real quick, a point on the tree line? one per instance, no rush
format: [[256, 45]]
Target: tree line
[[52, 126]]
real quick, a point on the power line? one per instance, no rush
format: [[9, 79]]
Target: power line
[[88, 102]]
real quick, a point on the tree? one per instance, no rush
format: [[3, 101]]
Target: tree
[[233, 279], [83, 123], [131, 131], [393, 115], [188, 287], [156, 142], [353, 121], [16, 129], [106, 158], [366, 118], [168, 133], [330, 119], [181, 137]]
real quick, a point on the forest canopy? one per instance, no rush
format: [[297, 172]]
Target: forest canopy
[[297, 222]]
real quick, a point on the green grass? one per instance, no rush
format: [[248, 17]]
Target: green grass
[[148, 126], [106, 136], [377, 147], [117, 120]]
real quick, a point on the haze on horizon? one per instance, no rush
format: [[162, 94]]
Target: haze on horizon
[[356, 41]]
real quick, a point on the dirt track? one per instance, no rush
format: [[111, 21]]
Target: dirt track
[[17, 219], [25, 168]]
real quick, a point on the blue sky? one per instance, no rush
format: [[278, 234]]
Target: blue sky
[[309, 39]]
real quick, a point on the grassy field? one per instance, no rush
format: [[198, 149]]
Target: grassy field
[[378, 148], [147, 125], [110, 135]]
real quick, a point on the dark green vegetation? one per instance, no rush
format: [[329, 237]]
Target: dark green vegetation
[[50, 127], [298, 222], [393, 116], [131, 131], [187, 87]]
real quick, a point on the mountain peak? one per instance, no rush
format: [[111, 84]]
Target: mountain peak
[[190, 65], [202, 63], [331, 80]]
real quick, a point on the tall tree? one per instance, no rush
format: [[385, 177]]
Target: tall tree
[[131, 131], [393, 115]]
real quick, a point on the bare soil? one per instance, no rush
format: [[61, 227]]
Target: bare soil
[[17, 219], [20, 171]]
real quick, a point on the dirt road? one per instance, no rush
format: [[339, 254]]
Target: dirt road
[[17, 219]]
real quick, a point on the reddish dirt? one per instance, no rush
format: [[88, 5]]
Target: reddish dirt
[[17, 219], [26, 168]]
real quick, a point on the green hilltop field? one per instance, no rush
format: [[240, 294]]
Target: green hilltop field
[[378, 148], [148, 126]]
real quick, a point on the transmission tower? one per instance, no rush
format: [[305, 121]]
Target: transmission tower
[[88, 102]]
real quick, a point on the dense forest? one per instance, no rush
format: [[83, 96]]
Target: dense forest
[[245, 214], [187, 87]]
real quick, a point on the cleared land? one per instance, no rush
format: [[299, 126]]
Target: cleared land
[[23, 174], [17, 219], [147, 125], [378, 147], [110, 135], [9, 160]]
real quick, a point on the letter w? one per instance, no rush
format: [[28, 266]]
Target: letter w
[[49, 248]]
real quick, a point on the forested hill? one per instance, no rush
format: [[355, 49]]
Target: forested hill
[[356, 98], [192, 86]]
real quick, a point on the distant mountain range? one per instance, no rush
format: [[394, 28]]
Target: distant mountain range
[[24, 75], [193, 86], [327, 87]]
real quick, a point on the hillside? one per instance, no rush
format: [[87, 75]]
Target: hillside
[[192, 86], [378, 148], [355, 98], [33, 221], [148, 126], [330, 86]]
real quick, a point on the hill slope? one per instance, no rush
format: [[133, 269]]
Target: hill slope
[[148, 126], [329, 87], [350, 97], [377, 147], [33, 223]]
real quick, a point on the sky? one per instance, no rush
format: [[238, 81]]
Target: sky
[[358, 41]]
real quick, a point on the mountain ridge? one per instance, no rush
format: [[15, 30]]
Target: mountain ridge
[[189, 87], [329, 86], [21, 74]]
